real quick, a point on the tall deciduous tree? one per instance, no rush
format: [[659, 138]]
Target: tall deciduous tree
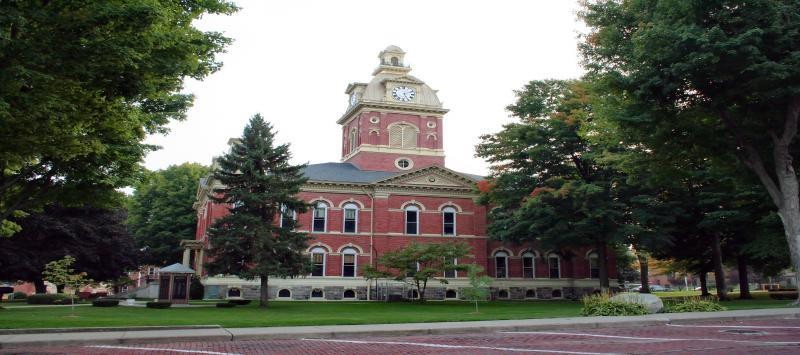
[[81, 85], [160, 212], [258, 181], [96, 238], [736, 64]]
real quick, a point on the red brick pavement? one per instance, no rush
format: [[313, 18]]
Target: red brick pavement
[[728, 338]]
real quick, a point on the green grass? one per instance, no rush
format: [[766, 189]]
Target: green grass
[[308, 313]]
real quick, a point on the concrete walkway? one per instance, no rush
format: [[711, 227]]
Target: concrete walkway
[[139, 335]]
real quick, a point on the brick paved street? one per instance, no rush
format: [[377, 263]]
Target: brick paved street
[[744, 337]]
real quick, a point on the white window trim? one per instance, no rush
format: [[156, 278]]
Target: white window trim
[[350, 205], [549, 267], [454, 211], [324, 260], [505, 269], [411, 208], [532, 255], [283, 210], [324, 218], [354, 252]]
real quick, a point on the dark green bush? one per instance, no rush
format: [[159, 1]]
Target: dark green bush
[[693, 305], [783, 295], [226, 304], [239, 302], [196, 289], [159, 304], [105, 302], [602, 305], [20, 295], [49, 298]]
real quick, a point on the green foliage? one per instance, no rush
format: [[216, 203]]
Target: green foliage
[[61, 273], [159, 304], [160, 212], [105, 302], [478, 289], [239, 302], [20, 295], [416, 264], [783, 294], [602, 305], [693, 304], [258, 181], [81, 86], [196, 289], [49, 298], [226, 304]]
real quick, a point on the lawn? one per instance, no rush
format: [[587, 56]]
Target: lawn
[[306, 313]]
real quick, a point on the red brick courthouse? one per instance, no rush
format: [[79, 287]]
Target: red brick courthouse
[[390, 188]]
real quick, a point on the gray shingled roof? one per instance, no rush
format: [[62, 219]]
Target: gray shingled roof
[[176, 268], [344, 172]]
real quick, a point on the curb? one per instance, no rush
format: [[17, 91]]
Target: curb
[[101, 329], [213, 333]]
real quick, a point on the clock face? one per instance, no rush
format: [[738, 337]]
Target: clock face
[[403, 93], [353, 100]]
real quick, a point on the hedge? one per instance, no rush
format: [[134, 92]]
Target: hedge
[[105, 302], [49, 298], [785, 294], [159, 304], [239, 302], [226, 304], [19, 295], [693, 305]]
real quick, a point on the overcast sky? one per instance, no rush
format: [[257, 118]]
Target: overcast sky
[[292, 60]]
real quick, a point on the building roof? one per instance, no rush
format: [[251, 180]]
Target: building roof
[[344, 172], [347, 172], [176, 268]]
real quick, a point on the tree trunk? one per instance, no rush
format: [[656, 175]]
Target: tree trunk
[[719, 273], [703, 284], [791, 225], [602, 264], [744, 285], [40, 286], [263, 295], [644, 271]]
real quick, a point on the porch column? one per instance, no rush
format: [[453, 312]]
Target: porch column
[[186, 254]]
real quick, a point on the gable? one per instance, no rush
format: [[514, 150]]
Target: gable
[[432, 176]]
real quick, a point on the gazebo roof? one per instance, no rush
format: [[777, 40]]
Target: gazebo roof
[[176, 268]]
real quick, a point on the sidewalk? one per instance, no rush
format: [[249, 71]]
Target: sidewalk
[[139, 335]]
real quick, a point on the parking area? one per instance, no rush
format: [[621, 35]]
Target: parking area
[[777, 336]]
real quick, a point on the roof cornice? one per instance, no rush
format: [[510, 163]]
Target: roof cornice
[[405, 108]]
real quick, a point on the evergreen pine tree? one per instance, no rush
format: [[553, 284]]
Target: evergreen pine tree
[[257, 181]]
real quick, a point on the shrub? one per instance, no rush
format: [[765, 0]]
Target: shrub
[[602, 305], [226, 304], [693, 305], [105, 302], [239, 302], [786, 294], [20, 295], [49, 298], [159, 304]]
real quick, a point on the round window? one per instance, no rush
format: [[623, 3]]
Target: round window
[[374, 119], [431, 124], [404, 163]]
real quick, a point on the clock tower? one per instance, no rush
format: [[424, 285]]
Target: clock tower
[[394, 122]]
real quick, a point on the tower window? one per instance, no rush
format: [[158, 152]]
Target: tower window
[[403, 136], [403, 163], [353, 140], [395, 61]]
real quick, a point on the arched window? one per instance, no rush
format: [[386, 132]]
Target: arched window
[[594, 266], [318, 261], [317, 293], [395, 61], [353, 140], [234, 292], [284, 293], [451, 294], [554, 263], [449, 221], [349, 294], [530, 293], [501, 265], [502, 294], [349, 256], [412, 219], [403, 136], [288, 217], [350, 224], [528, 266], [320, 213]]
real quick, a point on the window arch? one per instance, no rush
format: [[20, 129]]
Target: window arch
[[349, 261], [449, 221], [528, 265], [594, 266], [403, 135], [318, 258], [349, 294], [554, 264], [412, 219], [350, 224], [501, 265], [320, 217], [284, 293], [451, 294]]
